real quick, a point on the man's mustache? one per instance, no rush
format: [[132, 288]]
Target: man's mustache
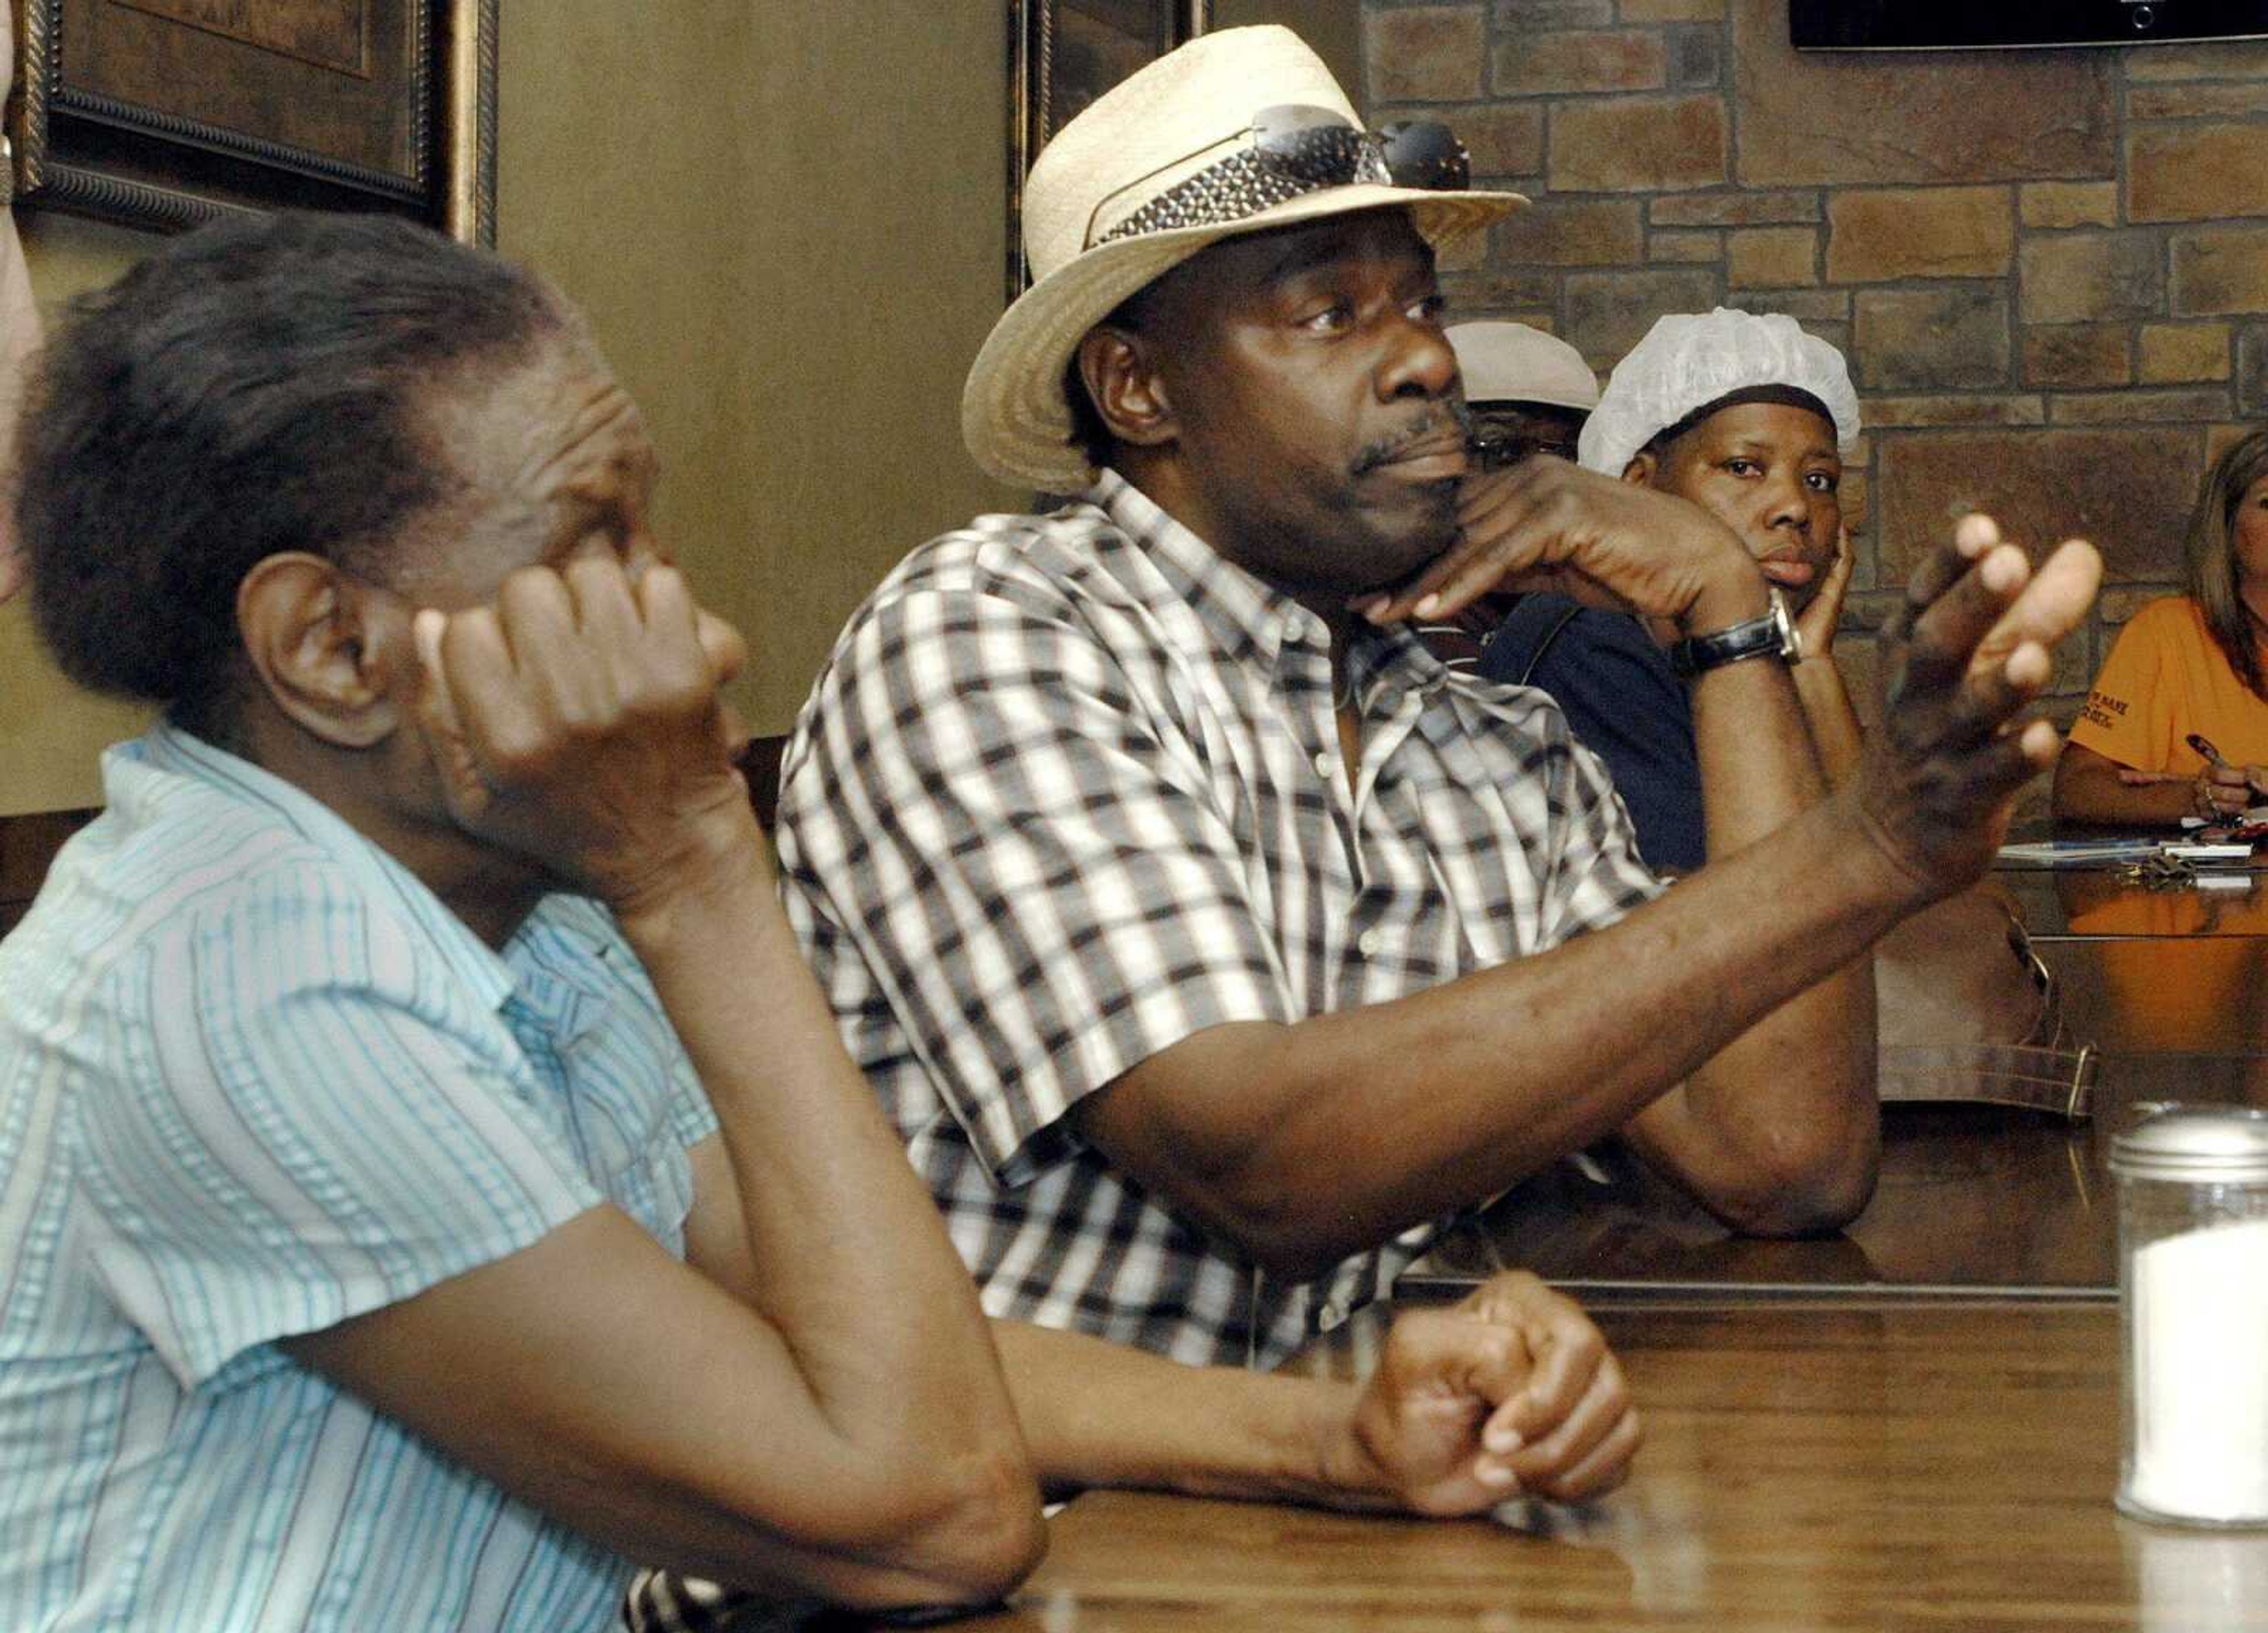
[[1433, 423]]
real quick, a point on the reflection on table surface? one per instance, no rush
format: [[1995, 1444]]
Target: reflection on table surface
[[1972, 1198], [2106, 902], [1805, 1469], [2198, 994]]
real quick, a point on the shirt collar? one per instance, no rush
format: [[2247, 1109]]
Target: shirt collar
[[391, 887], [1246, 615]]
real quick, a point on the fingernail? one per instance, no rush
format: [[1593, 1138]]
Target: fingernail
[[1502, 1439], [1425, 608], [1491, 1473]]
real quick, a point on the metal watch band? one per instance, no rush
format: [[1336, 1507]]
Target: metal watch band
[[1771, 635]]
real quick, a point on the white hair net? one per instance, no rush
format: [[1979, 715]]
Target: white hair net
[[1688, 362]]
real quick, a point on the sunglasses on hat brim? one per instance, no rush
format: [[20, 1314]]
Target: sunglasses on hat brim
[[1289, 151]]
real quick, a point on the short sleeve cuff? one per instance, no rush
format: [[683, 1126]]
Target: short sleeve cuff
[[692, 1119], [263, 1309], [1020, 1131]]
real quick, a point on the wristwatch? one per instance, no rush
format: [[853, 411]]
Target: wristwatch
[[1771, 635]]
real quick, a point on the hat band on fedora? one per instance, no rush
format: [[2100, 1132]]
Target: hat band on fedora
[[1294, 152]]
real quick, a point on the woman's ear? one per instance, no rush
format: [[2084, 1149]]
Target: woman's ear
[[323, 646], [1640, 469], [1121, 380]]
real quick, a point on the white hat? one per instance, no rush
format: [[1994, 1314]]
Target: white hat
[[1513, 362], [1689, 362], [1106, 213]]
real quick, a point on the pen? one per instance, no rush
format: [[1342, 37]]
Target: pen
[[2196, 741]]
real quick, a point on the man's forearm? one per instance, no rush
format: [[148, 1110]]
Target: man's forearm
[[2088, 788], [1310, 1141], [1307, 1142]]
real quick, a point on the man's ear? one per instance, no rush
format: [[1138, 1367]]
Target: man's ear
[[1640, 469], [1121, 380], [323, 646]]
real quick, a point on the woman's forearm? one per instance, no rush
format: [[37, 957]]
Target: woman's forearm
[[1099, 1414], [1829, 712], [2089, 787]]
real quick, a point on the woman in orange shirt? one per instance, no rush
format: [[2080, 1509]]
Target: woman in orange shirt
[[2177, 723]]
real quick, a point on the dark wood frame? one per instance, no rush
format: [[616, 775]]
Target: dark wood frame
[[1031, 64], [92, 154]]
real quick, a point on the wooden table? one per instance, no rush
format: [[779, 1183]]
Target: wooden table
[[1912, 1425], [1975, 1200], [1940, 1466]]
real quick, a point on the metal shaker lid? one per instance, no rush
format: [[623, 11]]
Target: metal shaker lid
[[2204, 1143]]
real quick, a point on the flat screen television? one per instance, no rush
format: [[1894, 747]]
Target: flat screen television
[[1971, 25]]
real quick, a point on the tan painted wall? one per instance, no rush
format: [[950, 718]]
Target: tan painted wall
[[802, 256], [784, 222], [50, 732], [800, 253], [783, 218], [1334, 27]]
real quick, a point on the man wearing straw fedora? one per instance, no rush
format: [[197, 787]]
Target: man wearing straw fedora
[[1207, 941]]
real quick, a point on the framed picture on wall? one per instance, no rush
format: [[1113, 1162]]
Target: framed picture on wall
[[164, 114], [1063, 54]]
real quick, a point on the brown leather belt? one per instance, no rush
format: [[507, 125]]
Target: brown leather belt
[[2040, 1078], [2040, 1074]]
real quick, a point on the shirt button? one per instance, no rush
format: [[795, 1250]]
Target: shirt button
[[1323, 765], [1295, 629], [1367, 943]]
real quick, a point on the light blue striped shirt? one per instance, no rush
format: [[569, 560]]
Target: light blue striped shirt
[[254, 1078]]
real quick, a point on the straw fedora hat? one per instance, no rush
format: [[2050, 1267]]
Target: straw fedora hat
[[1091, 245]]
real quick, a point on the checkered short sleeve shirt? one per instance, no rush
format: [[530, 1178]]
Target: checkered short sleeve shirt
[[1069, 790]]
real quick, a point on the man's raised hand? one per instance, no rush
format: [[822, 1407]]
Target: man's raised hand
[[1546, 524], [1970, 649]]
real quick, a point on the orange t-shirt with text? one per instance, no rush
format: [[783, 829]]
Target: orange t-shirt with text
[[2167, 677]]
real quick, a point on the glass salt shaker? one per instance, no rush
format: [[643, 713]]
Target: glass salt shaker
[[2193, 1306]]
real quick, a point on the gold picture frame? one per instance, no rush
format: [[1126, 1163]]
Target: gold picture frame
[[1062, 54], [166, 114]]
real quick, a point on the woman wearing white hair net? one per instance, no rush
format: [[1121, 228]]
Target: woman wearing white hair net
[[1749, 418]]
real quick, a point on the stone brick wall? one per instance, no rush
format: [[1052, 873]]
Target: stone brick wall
[[2048, 269]]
